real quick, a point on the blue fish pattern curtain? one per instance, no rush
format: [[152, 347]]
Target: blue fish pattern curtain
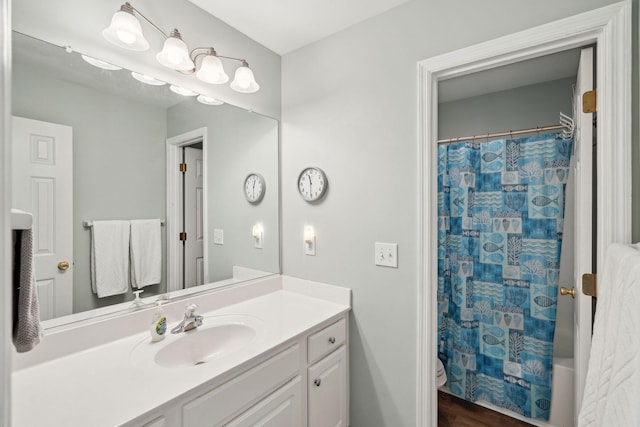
[[500, 219]]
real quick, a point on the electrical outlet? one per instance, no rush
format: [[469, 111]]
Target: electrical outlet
[[218, 236], [386, 254]]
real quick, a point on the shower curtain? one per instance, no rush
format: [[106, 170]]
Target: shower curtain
[[500, 218]]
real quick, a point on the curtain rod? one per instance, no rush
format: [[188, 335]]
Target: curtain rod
[[508, 133]]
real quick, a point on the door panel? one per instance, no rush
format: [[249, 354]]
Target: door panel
[[42, 175], [193, 221], [584, 224]]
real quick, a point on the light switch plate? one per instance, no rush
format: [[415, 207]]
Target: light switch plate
[[386, 254], [218, 236]]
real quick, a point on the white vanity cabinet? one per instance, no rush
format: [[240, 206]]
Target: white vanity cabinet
[[305, 384], [327, 386]]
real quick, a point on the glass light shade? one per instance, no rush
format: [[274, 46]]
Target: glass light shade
[[175, 55], [207, 100], [125, 31], [100, 63], [182, 91], [244, 81], [211, 71], [147, 79]]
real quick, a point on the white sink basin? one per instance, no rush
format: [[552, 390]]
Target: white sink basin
[[218, 336]]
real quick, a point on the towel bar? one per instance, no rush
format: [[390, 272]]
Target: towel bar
[[89, 224]]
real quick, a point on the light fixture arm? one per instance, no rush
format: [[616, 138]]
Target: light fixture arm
[[200, 51], [127, 7]]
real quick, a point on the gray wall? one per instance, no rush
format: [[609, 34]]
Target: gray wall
[[119, 163], [520, 108], [349, 106], [238, 143]]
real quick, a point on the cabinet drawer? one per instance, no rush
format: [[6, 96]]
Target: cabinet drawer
[[325, 341], [221, 403], [282, 408]]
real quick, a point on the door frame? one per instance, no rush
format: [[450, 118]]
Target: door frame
[[609, 28], [174, 176], [6, 344]]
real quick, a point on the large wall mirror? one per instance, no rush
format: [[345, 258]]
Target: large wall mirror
[[123, 132]]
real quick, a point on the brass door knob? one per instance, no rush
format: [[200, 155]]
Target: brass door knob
[[567, 291], [63, 265]]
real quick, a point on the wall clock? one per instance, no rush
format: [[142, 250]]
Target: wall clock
[[312, 184], [254, 187]]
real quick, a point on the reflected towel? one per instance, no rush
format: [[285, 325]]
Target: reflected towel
[[26, 313], [146, 252], [613, 377], [110, 257]]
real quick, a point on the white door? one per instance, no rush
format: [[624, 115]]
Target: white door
[[583, 173], [193, 221], [43, 185]]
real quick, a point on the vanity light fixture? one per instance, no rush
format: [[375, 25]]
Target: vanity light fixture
[[100, 63], [147, 79], [309, 240], [125, 31], [258, 233]]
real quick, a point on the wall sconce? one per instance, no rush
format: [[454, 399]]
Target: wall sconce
[[309, 240], [125, 31], [258, 234]]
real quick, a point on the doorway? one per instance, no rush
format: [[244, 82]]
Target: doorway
[[186, 210], [608, 28]]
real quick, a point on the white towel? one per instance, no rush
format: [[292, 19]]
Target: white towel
[[110, 257], [146, 252], [613, 376], [26, 313]]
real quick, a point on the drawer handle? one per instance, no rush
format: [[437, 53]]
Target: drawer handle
[[317, 382], [332, 340]]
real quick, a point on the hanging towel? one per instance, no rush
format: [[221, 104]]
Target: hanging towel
[[613, 376], [110, 257], [26, 314], [146, 252]]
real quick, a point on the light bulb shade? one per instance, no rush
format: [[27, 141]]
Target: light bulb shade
[[244, 81], [147, 79], [175, 55], [211, 71], [182, 91], [125, 31], [207, 100], [100, 63]]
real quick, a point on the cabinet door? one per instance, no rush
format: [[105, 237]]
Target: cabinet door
[[282, 408], [327, 389]]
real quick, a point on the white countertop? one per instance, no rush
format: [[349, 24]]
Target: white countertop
[[105, 386]]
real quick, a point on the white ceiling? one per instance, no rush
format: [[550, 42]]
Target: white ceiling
[[286, 25]]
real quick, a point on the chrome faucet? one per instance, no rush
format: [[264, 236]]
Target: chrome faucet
[[190, 321]]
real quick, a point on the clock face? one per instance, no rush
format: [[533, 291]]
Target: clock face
[[312, 184], [254, 188]]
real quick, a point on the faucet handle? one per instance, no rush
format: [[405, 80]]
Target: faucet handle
[[190, 309]]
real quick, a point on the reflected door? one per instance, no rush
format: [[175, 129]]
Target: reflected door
[[193, 218], [42, 183]]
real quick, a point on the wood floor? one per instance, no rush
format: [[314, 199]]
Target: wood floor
[[455, 412]]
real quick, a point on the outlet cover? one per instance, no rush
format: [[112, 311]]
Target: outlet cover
[[386, 254]]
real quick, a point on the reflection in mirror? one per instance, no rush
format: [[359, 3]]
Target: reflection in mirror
[[121, 134]]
